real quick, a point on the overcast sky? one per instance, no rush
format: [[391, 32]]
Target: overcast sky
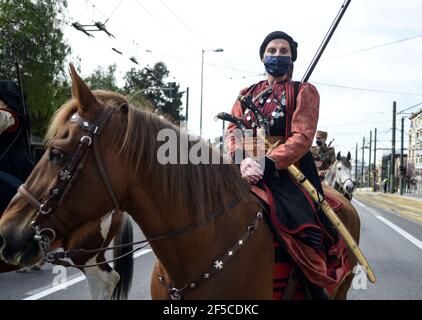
[[176, 31]]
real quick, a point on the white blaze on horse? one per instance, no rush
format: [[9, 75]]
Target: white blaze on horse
[[339, 176]]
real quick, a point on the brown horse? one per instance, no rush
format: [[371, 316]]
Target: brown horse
[[204, 226]]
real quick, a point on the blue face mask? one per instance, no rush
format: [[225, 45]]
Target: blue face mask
[[319, 143], [277, 66]]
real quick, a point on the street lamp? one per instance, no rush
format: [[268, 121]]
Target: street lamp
[[202, 84]]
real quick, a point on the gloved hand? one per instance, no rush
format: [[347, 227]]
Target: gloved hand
[[251, 171]]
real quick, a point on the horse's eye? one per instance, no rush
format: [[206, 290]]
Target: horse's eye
[[56, 156], [339, 168]]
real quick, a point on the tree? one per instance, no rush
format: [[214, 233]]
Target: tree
[[30, 33], [164, 98], [104, 79]]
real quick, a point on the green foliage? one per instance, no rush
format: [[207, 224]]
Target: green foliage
[[103, 79], [31, 34], [164, 98]]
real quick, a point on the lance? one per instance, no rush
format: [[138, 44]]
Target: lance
[[25, 113]]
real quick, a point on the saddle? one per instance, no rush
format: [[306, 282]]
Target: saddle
[[334, 203]]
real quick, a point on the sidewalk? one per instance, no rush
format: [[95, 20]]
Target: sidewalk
[[409, 206]]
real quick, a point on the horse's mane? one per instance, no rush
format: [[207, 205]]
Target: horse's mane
[[198, 188]]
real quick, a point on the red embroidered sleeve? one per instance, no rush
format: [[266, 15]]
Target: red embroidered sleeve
[[232, 141], [304, 124]]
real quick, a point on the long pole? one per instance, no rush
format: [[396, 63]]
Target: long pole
[[363, 161], [375, 161], [369, 162], [24, 110], [356, 165], [202, 87], [393, 151], [326, 40], [401, 157], [187, 108]]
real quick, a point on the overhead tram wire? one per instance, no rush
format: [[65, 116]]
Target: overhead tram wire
[[96, 38], [203, 42], [372, 48], [408, 108], [365, 49], [133, 45], [160, 22], [135, 51], [118, 5], [367, 90]]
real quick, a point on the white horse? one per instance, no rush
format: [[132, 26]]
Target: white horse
[[339, 176]]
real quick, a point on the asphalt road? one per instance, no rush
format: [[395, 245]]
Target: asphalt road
[[392, 245]]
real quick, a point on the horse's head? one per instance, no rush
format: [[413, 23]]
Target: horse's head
[[343, 173], [68, 187]]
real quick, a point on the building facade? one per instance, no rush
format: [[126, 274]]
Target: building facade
[[414, 166]]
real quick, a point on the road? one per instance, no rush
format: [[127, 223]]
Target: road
[[391, 243]]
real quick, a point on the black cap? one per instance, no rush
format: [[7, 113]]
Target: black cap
[[279, 35]]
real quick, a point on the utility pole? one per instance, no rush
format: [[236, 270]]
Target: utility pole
[[401, 157], [369, 163], [375, 161], [187, 108], [393, 150], [356, 165], [363, 161]]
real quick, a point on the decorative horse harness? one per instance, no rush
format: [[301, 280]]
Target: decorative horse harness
[[65, 180]]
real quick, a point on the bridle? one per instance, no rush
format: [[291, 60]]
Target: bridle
[[338, 177], [65, 179]]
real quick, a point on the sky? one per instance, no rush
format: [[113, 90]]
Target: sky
[[177, 31]]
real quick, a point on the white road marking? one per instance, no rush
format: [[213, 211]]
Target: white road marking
[[405, 234], [69, 283], [396, 228]]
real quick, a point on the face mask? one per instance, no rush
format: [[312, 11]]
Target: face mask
[[319, 143], [277, 66]]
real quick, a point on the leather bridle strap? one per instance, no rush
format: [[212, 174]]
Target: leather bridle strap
[[104, 176], [70, 172], [55, 257], [29, 197]]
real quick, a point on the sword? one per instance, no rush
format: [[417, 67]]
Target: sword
[[229, 117]]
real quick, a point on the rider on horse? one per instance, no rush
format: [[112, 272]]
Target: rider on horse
[[304, 237], [324, 155]]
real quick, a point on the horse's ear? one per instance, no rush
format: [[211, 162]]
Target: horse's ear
[[349, 156], [338, 155], [124, 108], [81, 92]]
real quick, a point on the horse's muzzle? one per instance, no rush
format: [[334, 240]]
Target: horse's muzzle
[[19, 249]]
